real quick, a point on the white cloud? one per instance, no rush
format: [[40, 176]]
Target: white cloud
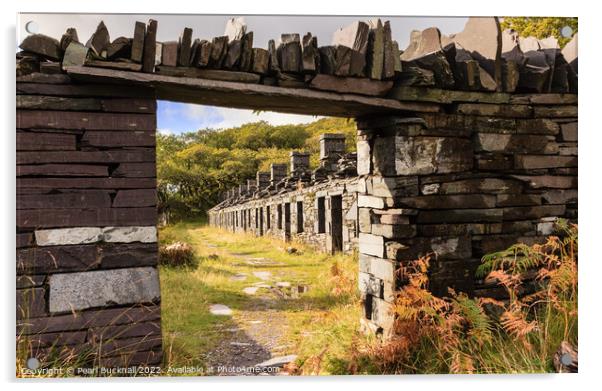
[[236, 117], [165, 131]]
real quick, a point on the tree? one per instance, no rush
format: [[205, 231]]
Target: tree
[[540, 27]]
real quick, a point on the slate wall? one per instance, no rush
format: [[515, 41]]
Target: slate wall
[[87, 282], [459, 184]]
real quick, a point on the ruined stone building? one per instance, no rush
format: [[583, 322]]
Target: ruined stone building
[[466, 144], [319, 207]]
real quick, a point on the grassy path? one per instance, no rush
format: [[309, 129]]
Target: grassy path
[[282, 304]]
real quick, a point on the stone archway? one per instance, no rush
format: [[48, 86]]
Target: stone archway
[[457, 173]]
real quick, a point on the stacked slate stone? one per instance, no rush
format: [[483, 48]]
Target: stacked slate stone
[[362, 59], [86, 258]]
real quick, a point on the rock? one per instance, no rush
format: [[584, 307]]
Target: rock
[[138, 42], [261, 61], [426, 52], [220, 310], [566, 358], [262, 275], [246, 55], [150, 47], [569, 131], [119, 65], [415, 76], [482, 38], [570, 53], [274, 63], [251, 290], [310, 54], [511, 50], [233, 54], [235, 28], [67, 236], [277, 362], [202, 54], [42, 45], [354, 37], [169, 55], [69, 36], [371, 245], [27, 65], [129, 234], [193, 51], [510, 76], [389, 59], [234, 343], [158, 53], [76, 54], [396, 58], [401, 155], [100, 40], [291, 250], [283, 284], [219, 50], [289, 53], [185, 47], [77, 291], [349, 85], [120, 47], [327, 60], [342, 60], [376, 49]]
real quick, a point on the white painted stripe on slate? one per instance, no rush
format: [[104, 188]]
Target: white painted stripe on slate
[[86, 235], [98, 288]]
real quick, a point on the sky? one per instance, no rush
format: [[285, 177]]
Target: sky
[[176, 118]]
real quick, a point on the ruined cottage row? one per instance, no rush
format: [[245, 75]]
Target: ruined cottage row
[[361, 59], [317, 207]]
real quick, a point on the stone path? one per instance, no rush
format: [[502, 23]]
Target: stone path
[[254, 345]]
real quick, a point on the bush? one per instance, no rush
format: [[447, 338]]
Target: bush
[[177, 254]]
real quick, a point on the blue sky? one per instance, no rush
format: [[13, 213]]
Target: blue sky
[[179, 117]]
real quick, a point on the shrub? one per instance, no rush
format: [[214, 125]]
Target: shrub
[[177, 254]]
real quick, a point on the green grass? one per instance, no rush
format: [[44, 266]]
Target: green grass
[[317, 319]]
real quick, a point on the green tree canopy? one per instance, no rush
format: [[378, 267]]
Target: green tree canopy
[[193, 168], [541, 27]]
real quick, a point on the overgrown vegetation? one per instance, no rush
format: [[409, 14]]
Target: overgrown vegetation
[[193, 168], [458, 334], [541, 27]]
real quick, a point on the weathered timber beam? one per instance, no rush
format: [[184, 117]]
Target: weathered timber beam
[[252, 96]]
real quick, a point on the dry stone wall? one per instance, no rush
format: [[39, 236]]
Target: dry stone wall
[[466, 144], [458, 185], [87, 282]]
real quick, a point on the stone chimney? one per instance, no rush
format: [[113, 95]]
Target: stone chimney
[[278, 173], [332, 148], [299, 163], [262, 180]]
